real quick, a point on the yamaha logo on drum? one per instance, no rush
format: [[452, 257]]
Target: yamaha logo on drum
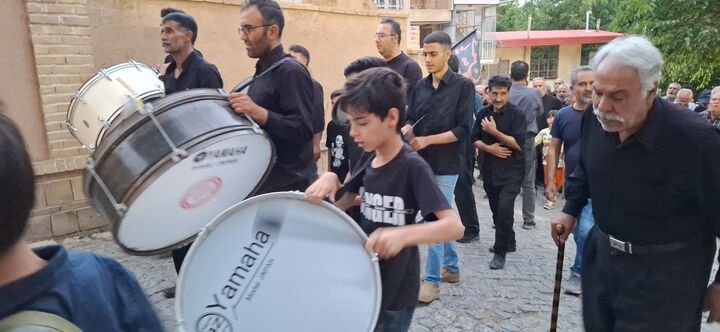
[[221, 153], [213, 323]]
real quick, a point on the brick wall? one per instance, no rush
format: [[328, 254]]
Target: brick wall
[[60, 36]]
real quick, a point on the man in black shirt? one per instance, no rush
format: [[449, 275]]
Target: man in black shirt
[[188, 69], [499, 134], [387, 40], [302, 55], [439, 118], [654, 177], [281, 101]]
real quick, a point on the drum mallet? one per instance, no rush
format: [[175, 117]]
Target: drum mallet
[[558, 230]]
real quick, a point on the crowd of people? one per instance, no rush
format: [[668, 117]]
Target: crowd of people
[[639, 174]]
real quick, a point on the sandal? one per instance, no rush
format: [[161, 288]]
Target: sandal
[[549, 205]]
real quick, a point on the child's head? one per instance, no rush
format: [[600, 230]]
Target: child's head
[[551, 117], [374, 103], [17, 184]]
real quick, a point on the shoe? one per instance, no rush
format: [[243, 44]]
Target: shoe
[[511, 248], [498, 262], [467, 238], [169, 292], [529, 225], [428, 293], [573, 285], [448, 276], [549, 205]]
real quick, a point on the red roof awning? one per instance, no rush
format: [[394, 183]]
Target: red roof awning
[[553, 37]]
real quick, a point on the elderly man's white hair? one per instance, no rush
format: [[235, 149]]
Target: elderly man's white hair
[[687, 92], [637, 53]]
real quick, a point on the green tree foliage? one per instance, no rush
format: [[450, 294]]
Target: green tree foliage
[[555, 14], [687, 32]]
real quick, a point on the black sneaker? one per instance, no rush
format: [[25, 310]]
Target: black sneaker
[[511, 248], [529, 225], [169, 292], [467, 238], [498, 262]]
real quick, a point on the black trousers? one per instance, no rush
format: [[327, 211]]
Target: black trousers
[[655, 292], [502, 205], [464, 196]]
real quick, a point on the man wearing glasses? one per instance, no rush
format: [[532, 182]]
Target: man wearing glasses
[[280, 101], [387, 40]]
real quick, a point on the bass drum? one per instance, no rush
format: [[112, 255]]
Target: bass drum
[[277, 262], [168, 169]]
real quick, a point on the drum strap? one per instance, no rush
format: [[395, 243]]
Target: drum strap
[[273, 66]]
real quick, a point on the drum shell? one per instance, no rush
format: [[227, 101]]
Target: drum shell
[[135, 152]]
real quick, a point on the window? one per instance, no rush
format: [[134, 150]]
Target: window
[[587, 53], [544, 62], [502, 67], [391, 4]]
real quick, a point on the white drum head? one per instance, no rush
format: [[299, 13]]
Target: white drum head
[[181, 200], [279, 263]]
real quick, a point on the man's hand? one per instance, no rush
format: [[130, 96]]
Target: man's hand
[[712, 302], [568, 222], [498, 150], [551, 191], [325, 186], [242, 104], [386, 242], [419, 143], [488, 125]]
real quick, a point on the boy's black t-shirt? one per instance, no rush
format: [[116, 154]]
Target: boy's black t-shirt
[[392, 195], [337, 145]]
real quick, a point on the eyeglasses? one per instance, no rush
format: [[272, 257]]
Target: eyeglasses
[[248, 29], [379, 36]]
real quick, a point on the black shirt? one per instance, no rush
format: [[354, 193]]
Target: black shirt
[[512, 122], [337, 145], [449, 108], [549, 103], [392, 195], [407, 68], [196, 74], [318, 114], [287, 93], [660, 186]]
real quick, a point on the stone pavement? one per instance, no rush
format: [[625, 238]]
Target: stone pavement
[[518, 298]]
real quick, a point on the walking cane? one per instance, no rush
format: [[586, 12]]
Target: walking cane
[[559, 229]]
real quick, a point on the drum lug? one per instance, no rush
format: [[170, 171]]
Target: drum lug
[[132, 62], [120, 208], [105, 74], [104, 122], [255, 127], [70, 127], [79, 97], [177, 153], [90, 147]]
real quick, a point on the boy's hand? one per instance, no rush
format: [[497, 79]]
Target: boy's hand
[[386, 242], [325, 186]]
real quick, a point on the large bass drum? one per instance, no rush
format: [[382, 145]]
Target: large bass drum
[[172, 166], [277, 263]]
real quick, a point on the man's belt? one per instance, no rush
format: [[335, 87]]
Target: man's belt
[[645, 249]]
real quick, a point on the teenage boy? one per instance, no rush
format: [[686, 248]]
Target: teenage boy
[[396, 184], [91, 292]]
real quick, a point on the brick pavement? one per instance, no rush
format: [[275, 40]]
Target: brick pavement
[[517, 298]]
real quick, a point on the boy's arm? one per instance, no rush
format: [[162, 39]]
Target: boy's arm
[[347, 201], [323, 187], [387, 242]]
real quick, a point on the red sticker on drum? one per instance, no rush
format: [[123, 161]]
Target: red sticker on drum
[[201, 193]]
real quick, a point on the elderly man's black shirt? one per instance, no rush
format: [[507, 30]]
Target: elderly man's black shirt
[[196, 74], [287, 93], [450, 107], [660, 186]]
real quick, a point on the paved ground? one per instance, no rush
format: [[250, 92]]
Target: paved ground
[[517, 298]]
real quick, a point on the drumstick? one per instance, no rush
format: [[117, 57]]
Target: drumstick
[[559, 230]]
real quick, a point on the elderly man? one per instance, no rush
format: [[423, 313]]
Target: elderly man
[[563, 92], [685, 99], [556, 84], [672, 91], [712, 114], [647, 261]]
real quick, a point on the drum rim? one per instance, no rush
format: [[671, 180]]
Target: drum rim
[[141, 183], [92, 80], [215, 222], [106, 146]]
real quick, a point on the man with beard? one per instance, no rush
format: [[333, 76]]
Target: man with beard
[[672, 91]]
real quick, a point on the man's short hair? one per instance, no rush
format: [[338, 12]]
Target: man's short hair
[[17, 184], [169, 10], [394, 27], [685, 91], [454, 63], [519, 70], [499, 81], [363, 64], [335, 94], [576, 72], [376, 91], [302, 51], [438, 37], [183, 21], [270, 10]]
